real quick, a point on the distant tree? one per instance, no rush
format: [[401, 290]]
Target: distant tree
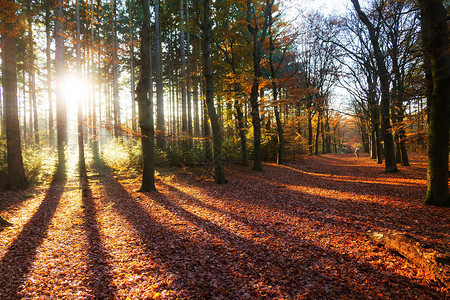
[[145, 105], [383, 74], [258, 31], [219, 172], [61, 106], [16, 172], [436, 52]]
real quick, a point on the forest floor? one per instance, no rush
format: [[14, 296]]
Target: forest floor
[[297, 231]]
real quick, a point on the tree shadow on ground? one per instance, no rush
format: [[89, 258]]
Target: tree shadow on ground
[[16, 263], [100, 279], [212, 254]]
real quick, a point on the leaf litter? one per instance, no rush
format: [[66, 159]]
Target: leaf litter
[[291, 232]]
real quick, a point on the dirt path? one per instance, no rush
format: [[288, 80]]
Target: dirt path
[[292, 232]]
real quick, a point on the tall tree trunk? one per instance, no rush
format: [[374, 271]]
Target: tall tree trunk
[[258, 37], [81, 160], [389, 151], [184, 125], [145, 106], [51, 130], [219, 171], [116, 103], [280, 148], [195, 103], [61, 107], [16, 173], [160, 121], [133, 102], [95, 142], [32, 76], [435, 39]]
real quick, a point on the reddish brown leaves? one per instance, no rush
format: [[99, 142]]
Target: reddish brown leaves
[[294, 231]]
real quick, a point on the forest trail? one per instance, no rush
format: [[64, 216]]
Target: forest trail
[[294, 231]]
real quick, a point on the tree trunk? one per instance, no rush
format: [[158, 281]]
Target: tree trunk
[[61, 108], [116, 103], [389, 151], [435, 39], [184, 126], [160, 124], [16, 173], [132, 79], [145, 106], [219, 171], [81, 160], [51, 130], [431, 261], [258, 37], [32, 76]]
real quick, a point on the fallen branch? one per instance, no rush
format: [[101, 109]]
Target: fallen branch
[[433, 262]]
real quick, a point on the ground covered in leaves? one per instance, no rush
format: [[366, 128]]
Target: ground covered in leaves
[[297, 231]]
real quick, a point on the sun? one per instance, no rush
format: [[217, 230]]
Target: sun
[[75, 90]]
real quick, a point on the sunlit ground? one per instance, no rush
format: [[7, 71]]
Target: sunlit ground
[[295, 231]]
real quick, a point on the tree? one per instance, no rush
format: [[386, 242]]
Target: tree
[[436, 47], [61, 106], [383, 74], [16, 172], [160, 126], [258, 32], [81, 160], [219, 172], [145, 105]]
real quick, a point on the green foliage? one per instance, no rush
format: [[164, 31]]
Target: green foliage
[[122, 155], [3, 158], [231, 149], [39, 164], [176, 156]]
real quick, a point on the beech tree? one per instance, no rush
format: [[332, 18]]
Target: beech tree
[[437, 58], [145, 105], [383, 74], [219, 172], [258, 31], [16, 172]]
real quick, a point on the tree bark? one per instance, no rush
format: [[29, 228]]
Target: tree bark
[[435, 39], [116, 103], [160, 125], [51, 130], [61, 106], [219, 171], [81, 160], [145, 106], [258, 37], [32, 76], [386, 129], [16, 173], [433, 262]]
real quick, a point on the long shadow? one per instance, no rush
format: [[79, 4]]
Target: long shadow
[[336, 211], [278, 233], [100, 279], [237, 262], [17, 261]]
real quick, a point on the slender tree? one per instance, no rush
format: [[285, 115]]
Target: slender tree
[[16, 172], [383, 74], [258, 36], [145, 105], [81, 160], [160, 126], [219, 172], [61, 106]]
